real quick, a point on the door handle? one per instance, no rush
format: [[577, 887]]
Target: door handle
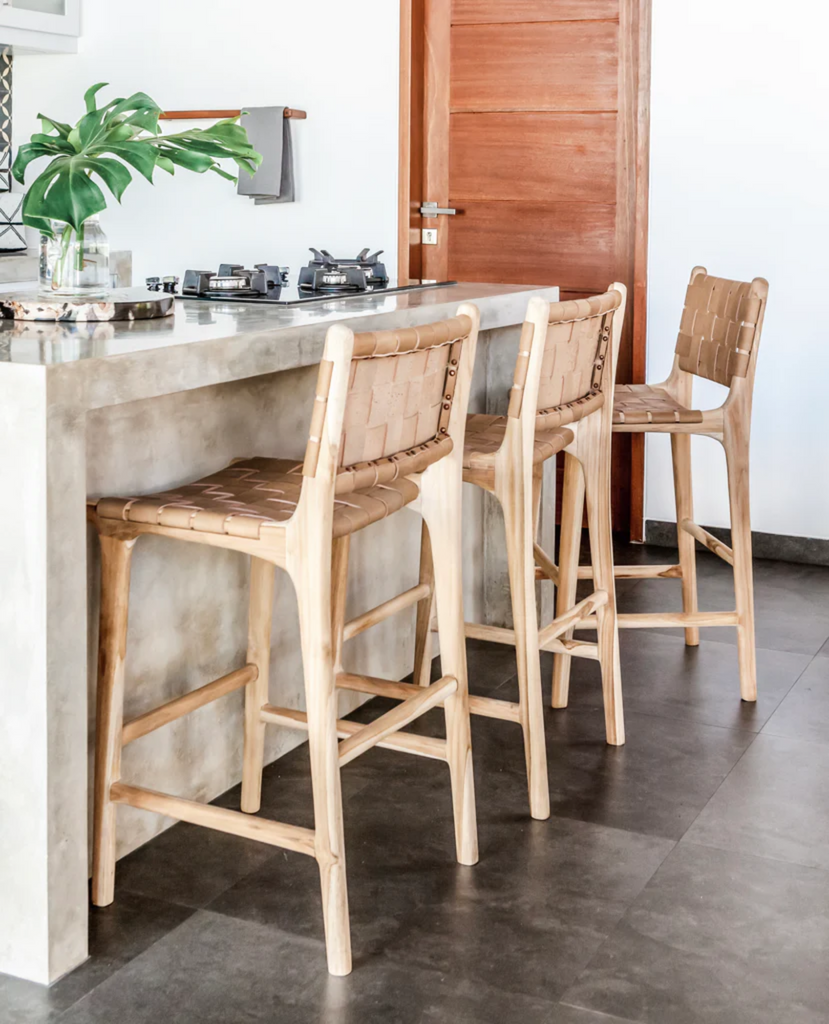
[[433, 210]]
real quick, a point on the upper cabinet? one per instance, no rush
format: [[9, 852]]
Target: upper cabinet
[[40, 26]]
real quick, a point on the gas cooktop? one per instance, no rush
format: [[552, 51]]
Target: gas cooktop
[[324, 278]]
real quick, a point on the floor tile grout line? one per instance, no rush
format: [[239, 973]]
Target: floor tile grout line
[[759, 856], [598, 1013], [576, 708], [757, 647], [607, 939], [129, 961], [740, 758]]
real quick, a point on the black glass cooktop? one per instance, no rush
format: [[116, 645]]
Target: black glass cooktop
[[293, 295]]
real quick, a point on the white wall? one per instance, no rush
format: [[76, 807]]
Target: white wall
[[739, 172], [739, 159], [338, 61]]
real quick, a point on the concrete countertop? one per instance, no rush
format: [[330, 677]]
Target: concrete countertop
[[134, 407], [92, 365]]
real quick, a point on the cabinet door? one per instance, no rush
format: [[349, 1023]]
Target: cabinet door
[[58, 16]]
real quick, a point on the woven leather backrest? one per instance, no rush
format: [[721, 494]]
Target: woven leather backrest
[[718, 329], [575, 354], [400, 393]]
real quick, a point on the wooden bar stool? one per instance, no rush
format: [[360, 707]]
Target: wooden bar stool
[[561, 400], [719, 337], [386, 432]]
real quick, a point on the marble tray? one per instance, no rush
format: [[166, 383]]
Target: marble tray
[[120, 304]]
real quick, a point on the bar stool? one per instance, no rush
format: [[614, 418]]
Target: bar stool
[[386, 432], [561, 400], [719, 337]]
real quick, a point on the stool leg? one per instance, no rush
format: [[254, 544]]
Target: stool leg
[[260, 617], [737, 459], [600, 525], [441, 508], [312, 580], [572, 513], [116, 556], [538, 484], [339, 591], [517, 502], [681, 453], [423, 623]]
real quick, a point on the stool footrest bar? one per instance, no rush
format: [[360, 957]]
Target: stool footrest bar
[[648, 620], [498, 635], [495, 634], [181, 706], [637, 572], [275, 833], [385, 610], [379, 687], [394, 720], [571, 619], [408, 743], [548, 568], [575, 648], [489, 707], [708, 540]]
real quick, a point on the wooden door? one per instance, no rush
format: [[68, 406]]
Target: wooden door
[[529, 117]]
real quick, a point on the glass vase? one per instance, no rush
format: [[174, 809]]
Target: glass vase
[[75, 264]]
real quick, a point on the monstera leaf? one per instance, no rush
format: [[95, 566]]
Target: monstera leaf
[[102, 147]]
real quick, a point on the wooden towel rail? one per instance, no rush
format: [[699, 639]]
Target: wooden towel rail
[[218, 115]]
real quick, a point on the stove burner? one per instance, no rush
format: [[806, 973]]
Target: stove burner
[[326, 273], [233, 281], [325, 280]]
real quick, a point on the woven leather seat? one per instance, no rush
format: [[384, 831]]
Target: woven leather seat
[[241, 498], [642, 404], [485, 435]]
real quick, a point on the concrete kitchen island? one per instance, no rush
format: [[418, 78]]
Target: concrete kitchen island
[[133, 407]]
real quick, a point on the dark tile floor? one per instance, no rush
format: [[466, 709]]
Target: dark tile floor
[[682, 879]]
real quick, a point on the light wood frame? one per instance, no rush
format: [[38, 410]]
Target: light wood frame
[[516, 482], [517, 486], [304, 547], [730, 424]]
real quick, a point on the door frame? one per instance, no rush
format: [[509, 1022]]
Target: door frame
[[634, 84]]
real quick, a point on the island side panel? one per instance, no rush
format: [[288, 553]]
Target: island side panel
[[43, 766]]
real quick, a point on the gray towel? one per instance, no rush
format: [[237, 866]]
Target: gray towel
[[269, 132]]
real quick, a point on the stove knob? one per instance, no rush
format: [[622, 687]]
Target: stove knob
[[154, 284]]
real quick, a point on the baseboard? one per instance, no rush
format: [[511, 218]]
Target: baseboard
[[776, 546]]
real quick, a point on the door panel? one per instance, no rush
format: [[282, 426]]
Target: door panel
[[534, 121], [502, 242], [532, 156], [483, 11], [566, 65]]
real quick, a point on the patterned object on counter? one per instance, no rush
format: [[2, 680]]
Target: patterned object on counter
[[126, 304], [5, 118], [12, 239]]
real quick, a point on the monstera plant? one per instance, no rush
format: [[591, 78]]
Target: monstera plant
[[103, 148]]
